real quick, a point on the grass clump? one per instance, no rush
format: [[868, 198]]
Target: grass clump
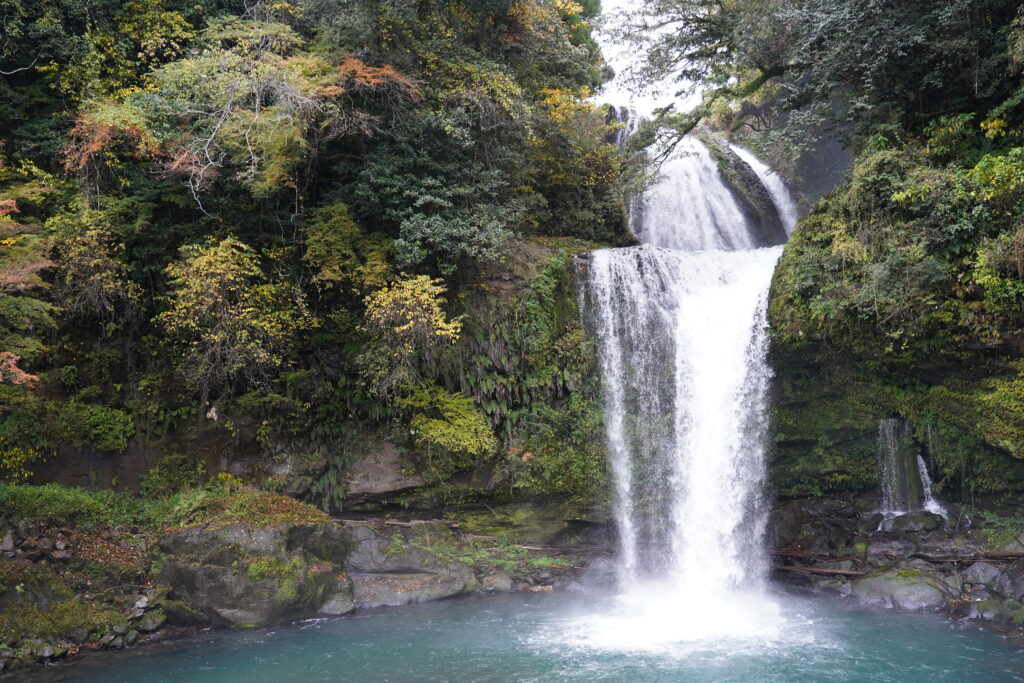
[[61, 505], [260, 508], [76, 618]]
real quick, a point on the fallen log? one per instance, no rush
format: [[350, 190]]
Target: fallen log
[[816, 570]]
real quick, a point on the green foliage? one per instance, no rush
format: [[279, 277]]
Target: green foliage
[[63, 618], [449, 429], [342, 254], [170, 475], [999, 530], [217, 506], [16, 461], [285, 573], [89, 424], [229, 196], [408, 322], [232, 321], [55, 504]]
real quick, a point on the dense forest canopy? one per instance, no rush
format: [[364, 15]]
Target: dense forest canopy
[[273, 210], [278, 220]]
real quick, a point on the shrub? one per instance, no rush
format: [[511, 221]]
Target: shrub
[[172, 474], [56, 504]]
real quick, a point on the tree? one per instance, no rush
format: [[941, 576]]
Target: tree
[[406, 322], [232, 322]]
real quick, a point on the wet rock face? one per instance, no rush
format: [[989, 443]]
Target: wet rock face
[[917, 521], [753, 197], [914, 562], [249, 576], [786, 523]]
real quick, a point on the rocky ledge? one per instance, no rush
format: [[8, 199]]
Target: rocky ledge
[[244, 574], [919, 561]]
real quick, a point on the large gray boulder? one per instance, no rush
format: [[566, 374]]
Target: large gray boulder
[[910, 589], [244, 575], [408, 565], [980, 574], [249, 576], [379, 473], [393, 589]]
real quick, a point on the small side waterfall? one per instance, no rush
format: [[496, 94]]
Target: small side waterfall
[[904, 483], [775, 185]]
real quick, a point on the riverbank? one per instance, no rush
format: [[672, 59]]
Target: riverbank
[[82, 571], [86, 571], [967, 565]]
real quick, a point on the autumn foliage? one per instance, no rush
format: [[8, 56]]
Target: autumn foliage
[[10, 373]]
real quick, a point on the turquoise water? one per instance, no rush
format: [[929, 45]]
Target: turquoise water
[[537, 637]]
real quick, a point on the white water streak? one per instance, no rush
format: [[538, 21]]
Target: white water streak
[[776, 186]]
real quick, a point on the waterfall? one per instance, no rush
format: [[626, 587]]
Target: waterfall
[[904, 483], [775, 185], [929, 501], [681, 327]]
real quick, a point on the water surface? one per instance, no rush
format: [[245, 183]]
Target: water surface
[[544, 637]]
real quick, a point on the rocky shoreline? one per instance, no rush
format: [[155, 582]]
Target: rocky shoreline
[[246, 575], [918, 561], [252, 575]]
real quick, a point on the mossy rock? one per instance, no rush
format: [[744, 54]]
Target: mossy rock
[[901, 588], [244, 575]]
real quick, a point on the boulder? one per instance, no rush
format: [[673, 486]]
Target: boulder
[[917, 522], [416, 548], [180, 614], [980, 574], [536, 522], [1015, 546], [381, 472], [786, 523], [244, 575], [392, 589], [341, 600], [151, 622], [901, 588], [871, 523], [1010, 582], [249, 576], [883, 552], [498, 582]]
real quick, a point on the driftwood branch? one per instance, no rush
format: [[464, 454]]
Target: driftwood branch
[[815, 570]]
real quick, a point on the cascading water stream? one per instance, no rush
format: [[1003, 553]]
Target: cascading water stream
[[681, 327], [682, 340], [904, 483]]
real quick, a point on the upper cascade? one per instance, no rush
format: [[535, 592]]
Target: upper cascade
[[708, 198]]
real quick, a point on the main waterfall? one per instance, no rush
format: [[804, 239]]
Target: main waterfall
[[681, 327], [682, 339]]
